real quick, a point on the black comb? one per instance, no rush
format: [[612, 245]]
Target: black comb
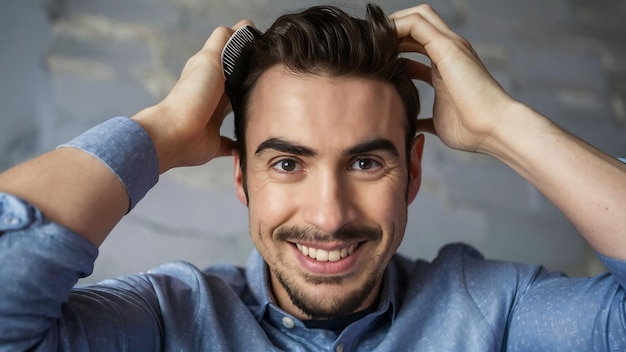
[[235, 56]]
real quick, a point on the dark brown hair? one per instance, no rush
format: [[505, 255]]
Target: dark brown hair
[[326, 41]]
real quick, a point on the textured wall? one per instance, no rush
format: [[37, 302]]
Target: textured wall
[[67, 65]]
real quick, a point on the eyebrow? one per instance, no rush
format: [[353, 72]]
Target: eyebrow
[[284, 146], [373, 145]]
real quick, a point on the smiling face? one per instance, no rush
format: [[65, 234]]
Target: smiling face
[[328, 187]]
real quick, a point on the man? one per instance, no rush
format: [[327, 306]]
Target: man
[[327, 162]]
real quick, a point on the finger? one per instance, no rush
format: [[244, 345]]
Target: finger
[[223, 107], [418, 70], [409, 45], [218, 39], [244, 22], [417, 27], [226, 146], [207, 62], [426, 125], [219, 113], [425, 11], [425, 34], [220, 35]]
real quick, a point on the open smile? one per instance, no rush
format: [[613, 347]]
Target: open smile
[[322, 255], [335, 260]]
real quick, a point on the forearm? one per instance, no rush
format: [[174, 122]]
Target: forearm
[[87, 186], [588, 186], [71, 188]]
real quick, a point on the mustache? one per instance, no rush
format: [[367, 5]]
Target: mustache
[[344, 234]]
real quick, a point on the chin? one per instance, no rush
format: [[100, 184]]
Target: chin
[[329, 297]]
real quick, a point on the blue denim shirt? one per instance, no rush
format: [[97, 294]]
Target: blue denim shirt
[[457, 302]]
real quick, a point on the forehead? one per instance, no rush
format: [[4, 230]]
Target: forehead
[[342, 110]]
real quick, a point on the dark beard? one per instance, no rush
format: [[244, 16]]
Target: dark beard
[[337, 307]]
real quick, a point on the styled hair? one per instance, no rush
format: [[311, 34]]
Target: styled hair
[[326, 41]]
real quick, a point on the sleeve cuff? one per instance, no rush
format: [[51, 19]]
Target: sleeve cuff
[[127, 150]]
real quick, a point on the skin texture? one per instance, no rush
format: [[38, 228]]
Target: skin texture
[[471, 113], [327, 190]]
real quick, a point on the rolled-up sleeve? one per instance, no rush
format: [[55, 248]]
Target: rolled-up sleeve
[[40, 262]]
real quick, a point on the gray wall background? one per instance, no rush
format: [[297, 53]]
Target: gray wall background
[[66, 65]]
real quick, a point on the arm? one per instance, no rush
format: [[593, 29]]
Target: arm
[[75, 189], [71, 202], [588, 186], [71, 188], [473, 113]]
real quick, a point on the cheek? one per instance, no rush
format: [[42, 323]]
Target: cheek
[[270, 205], [387, 207], [386, 200]]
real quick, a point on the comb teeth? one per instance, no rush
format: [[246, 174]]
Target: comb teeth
[[236, 46]]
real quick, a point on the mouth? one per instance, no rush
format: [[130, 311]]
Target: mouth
[[323, 255]]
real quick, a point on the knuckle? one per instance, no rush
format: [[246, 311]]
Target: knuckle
[[426, 7], [245, 21], [416, 16], [222, 31], [464, 42], [200, 59]]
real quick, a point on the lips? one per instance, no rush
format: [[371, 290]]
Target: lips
[[322, 255]]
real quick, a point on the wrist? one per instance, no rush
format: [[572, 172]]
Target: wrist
[[519, 127], [126, 149], [152, 119]]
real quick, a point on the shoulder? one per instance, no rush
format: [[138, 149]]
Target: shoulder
[[186, 274], [461, 269], [459, 259], [179, 277]]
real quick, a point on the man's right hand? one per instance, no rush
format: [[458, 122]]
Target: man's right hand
[[185, 126], [78, 191]]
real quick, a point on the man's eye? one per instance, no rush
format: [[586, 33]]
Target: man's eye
[[286, 165], [365, 164]]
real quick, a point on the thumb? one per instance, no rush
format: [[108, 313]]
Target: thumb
[[226, 146]]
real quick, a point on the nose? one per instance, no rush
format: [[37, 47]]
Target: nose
[[330, 203]]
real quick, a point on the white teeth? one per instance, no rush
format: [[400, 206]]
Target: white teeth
[[334, 256], [303, 249], [322, 255]]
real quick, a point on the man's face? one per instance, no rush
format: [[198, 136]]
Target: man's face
[[328, 187]]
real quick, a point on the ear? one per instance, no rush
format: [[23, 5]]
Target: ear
[[415, 167], [239, 179]]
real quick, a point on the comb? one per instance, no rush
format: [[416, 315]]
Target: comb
[[236, 53]]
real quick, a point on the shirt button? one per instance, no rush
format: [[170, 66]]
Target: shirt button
[[11, 220], [288, 322], [339, 348]]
